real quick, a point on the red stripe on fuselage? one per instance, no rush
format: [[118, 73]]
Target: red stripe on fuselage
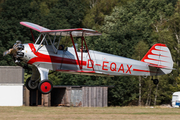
[[140, 70], [98, 64], [51, 59]]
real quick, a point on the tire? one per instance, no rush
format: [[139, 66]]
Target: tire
[[155, 81], [30, 84], [45, 86]]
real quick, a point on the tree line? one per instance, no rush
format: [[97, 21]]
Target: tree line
[[129, 28]]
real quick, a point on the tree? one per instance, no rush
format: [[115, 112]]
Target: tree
[[166, 30], [53, 14], [98, 9], [140, 50]]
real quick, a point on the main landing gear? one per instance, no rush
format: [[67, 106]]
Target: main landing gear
[[155, 81], [45, 86], [31, 84]]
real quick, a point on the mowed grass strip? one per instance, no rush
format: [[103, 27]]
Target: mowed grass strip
[[95, 113]]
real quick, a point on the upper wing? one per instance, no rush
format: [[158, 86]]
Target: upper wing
[[76, 32], [34, 26]]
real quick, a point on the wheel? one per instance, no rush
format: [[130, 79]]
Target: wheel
[[155, 81], [31, 84], [45, 86]]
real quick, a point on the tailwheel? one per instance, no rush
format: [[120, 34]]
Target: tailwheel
[[45, 86], [31, 84], [155, 81]]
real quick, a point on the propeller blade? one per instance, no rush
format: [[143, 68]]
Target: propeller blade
[[17, 46], [6, 52], [10, 51]]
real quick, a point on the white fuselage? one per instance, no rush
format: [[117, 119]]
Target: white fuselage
[[98, 63]]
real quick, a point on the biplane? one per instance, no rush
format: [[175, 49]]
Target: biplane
[[44, 55]]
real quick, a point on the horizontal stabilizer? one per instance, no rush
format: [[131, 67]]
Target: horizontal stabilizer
[[159, 66]]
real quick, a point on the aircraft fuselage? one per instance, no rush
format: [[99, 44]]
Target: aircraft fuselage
[[100, 63]]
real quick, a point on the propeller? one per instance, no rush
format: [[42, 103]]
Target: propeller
[[15, 51], [10, 51]]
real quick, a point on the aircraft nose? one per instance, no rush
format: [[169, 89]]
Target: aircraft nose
[[19, 53], [16, 51]]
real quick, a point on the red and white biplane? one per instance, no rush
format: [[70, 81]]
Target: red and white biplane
[[44, 55]]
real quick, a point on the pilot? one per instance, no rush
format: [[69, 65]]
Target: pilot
[[82, 49], [61, 47]]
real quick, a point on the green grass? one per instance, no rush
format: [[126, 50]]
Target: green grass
[[89, 113]]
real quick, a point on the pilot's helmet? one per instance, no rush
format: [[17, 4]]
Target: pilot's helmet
[[62, 47]]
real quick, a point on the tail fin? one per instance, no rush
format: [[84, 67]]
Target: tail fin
[[159, 56]]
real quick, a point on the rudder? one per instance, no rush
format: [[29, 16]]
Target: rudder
[[159, 56]]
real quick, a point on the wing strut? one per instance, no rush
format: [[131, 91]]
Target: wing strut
[[81, 52], [75, 51], [87, 51], [32, 35]]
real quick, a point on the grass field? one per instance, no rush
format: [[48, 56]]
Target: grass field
[[85, 113]]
